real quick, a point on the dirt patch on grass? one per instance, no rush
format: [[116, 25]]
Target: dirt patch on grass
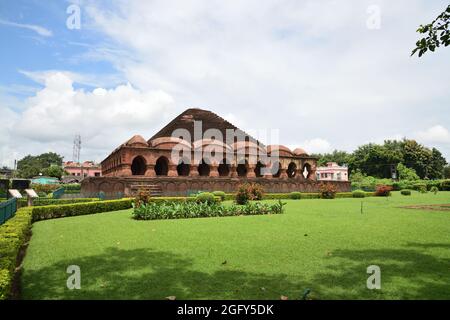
[[431, 207]]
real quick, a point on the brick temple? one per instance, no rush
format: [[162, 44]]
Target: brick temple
[[199, 150]]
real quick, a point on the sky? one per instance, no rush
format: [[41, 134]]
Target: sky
[[326, 74]]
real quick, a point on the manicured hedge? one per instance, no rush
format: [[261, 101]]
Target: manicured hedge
[[49, 201], [184, 210], [13, 235], [72, 187], [179, 199], [359, 194], [78, 209], [303, 195], [406, 192]]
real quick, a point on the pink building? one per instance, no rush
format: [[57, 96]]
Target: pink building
[[86, 169], [332, 172]]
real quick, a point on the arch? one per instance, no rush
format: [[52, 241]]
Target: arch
[[162, 166], [306, 171], [224, 168], [291, 170], [242, 169], [183, 168], [276, 169], [258, 169], [203, 169], [138, 166]]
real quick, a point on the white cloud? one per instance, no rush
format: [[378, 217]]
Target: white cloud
[[38, 29], [104, 118], [316, 145], [435, 134]]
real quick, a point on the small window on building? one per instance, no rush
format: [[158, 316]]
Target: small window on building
[[97, 174]]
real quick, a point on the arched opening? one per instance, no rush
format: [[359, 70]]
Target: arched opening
[[162, 166], [258, 169], [203, 169], [306, 171], [224, 169], [276, 169], [241, 169], [291, 170], [183, 169], [138, 166]]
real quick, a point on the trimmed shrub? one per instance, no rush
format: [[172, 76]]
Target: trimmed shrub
[[78, 209], [220, 194], [244, 194], [445, 185], [383, 191], [359, 194], [295, 195], [420, 186], [13, 234], [173, 210], [72, 187], [257, 191], [434, 189], [406, 192], [178, 199], [205, 197], [327, 190], [48, 201]]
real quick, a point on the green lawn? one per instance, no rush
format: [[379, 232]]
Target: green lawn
[[324, 245]]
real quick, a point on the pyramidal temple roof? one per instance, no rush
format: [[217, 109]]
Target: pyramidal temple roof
[[209, 120]]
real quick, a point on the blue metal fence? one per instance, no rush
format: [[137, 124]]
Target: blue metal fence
[[7, 210]]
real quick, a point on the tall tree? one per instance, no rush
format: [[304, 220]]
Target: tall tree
[[31, 166], [417, 157], [437, 34], [436, 165], [375, 160]]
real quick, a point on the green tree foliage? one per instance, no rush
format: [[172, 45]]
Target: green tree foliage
[[405, 173], [437, 34], [340, 157], [437, 165], [447, 172], [375, 160], [31, 166], [53, 171], [417, 157]]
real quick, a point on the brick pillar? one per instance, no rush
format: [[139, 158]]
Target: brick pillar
[[150, 172], [233, 172], [283, 173], [126, 170], [194, 171], [299, 174], [312, 175], [172, 171], [214, 171], [251, 172]]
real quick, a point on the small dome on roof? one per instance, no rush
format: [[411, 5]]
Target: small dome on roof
[[169, 143], [300, 152], [137, 140], [281, 149]]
